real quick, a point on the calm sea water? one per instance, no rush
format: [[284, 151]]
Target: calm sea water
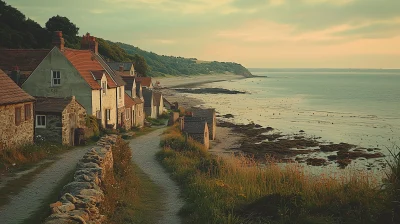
[[361, 108]]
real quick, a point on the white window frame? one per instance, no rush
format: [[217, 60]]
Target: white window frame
[[127, 114], [53, 79], [37, 125], [108, 114], [104, 87]]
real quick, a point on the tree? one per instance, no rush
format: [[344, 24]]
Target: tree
[[69, 29], [140, 64]]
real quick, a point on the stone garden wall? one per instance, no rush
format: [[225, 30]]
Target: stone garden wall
[[81, 198]]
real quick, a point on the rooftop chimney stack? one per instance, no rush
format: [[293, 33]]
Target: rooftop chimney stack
[[58, 40], [89, 43]]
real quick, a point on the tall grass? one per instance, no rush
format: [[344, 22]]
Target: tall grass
[[28, 154], [239, 190]]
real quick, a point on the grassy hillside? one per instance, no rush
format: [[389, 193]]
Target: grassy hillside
[[17, 31], [169, 65]]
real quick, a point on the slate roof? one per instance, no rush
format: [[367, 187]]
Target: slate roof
[[97, 75], [207, 113], [195, 127], [51, 104], [129, 80], [194, 119], [10, 93], [129, 102], [115, 65], [157, 98], [25, 59], [146, 81], [118, 80], [147, 96]]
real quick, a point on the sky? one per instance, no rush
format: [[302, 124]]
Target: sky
[[255, 33]]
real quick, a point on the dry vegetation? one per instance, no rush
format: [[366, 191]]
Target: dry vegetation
[[238, 190]]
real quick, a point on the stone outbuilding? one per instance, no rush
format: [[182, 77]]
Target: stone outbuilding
[[16, 114], [197, 129], [58, 118], [210, 116]]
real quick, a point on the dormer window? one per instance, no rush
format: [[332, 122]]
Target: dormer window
[[104, 87], [55, 78]]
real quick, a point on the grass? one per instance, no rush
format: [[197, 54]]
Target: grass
[[157, 122], [238, 190], [28, 155], [131, 196], [43, 212], [13, 187]]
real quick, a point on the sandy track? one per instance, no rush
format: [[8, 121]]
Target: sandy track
[[31, 197], [144, 149]]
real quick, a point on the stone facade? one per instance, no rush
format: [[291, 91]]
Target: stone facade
[[139, 115], [81, 198], [12, 134], [73, 117]]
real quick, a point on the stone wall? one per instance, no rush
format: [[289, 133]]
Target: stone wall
[[82, 197], [12, 135], [139, 113]]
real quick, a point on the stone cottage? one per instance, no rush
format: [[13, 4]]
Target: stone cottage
[[158, 102], [16, 114], [134, 90], [129, 112], [197, 129], [210, 116], [83, 73], [58, 118]]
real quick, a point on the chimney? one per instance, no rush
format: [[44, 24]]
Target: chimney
[[58, 40], [89, 43], [121, 68], [16, 75]]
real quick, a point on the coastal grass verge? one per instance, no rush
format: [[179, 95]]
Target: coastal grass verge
[[130, 195], [240, 190], [21, 157]]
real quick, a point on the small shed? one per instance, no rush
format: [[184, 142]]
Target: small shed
[[194, 127], [210, 116], [56, 119], [198, 131]]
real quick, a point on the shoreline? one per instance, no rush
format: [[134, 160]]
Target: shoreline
[[235, 138]]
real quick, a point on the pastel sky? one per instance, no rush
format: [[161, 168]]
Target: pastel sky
[[255, 33]]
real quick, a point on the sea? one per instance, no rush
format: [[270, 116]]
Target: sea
[[355, 106]]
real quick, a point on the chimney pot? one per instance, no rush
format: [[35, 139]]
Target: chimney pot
[[58, 40]]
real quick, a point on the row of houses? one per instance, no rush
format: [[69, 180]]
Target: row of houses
[[50, 92]]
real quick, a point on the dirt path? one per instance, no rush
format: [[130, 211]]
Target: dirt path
[[30, 198], [144, 149]]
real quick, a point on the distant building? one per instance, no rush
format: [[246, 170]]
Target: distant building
[[123, 68], [197, 129], [210, 116], [128, 122], [16, 114], [134, 90], [158, 102], [150, 106], [66, 72], [146, 82], [56, 119]]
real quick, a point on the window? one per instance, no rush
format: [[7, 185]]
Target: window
[[108, 114], [17, 115], [40, 121], [28, 112], [104, 87], [55, 78], [119, 90], [127, 114]]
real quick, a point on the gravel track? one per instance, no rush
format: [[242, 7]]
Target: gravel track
[[30, 199], [144, 149]]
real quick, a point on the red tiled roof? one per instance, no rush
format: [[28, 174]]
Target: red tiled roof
[[10, 93], [86, 62], [25, 59], [129, 102], [146, 81]]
